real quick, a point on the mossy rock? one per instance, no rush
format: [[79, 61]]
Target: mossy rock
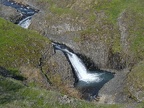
[[135, 82]]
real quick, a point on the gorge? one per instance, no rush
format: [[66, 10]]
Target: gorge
[[76, 44], [91, 82]]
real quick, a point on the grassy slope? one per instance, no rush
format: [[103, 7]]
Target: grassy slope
[[86, 12], [134, 9], [106, 29], [135, 81], [134, 18], [112, 10], [13, 94], [19, 46]]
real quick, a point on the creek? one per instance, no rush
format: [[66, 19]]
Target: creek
[[88, 82], [26, 12]]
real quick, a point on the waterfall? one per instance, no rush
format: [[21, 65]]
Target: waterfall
[[80, 69], [89, 82], [25, 22]]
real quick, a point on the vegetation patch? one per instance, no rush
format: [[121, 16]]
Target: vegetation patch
[[14, 94], [135, 82], [19, 46]]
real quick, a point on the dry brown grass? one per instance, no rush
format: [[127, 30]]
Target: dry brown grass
[[34, 76]]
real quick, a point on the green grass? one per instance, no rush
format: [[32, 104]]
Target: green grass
[[140, 105], [134, 10], [135, 81], [136, 32], [19, 46], [115, 7], [8, 89], [57, 10], [13, 94]]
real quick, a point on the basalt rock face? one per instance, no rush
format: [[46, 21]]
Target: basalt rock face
[[87, 30], [33, 56], [60, 70], [9, 13], [99, 40], [112, 43], [74, 36]]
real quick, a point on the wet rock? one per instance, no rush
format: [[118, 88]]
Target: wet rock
[[98, 52], [114, 90]]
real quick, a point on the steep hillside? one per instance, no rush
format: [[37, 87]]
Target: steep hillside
[[26, 53], [20, 47], [13, 94], [109, 32]]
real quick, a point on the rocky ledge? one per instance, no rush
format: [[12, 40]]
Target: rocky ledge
[[110, 41]]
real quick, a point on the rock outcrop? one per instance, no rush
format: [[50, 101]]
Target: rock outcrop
[[134, 83], [113, 40], [33, 56], [113, 91], [9, 13]]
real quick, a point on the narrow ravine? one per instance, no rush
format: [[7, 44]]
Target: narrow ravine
[[89, 82]]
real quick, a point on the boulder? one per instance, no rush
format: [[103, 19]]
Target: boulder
[[59, 70], [114, 91]]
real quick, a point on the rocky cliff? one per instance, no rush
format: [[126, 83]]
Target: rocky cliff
[[32, 56], [110, 33]]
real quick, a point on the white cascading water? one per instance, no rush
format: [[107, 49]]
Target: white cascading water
[[80, 69], [25, 22]]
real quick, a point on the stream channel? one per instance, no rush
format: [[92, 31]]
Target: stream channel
[[87, 81]]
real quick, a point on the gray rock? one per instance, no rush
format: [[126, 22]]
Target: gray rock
[[65, 100], [113, 91], [59, 70], [9, 13]]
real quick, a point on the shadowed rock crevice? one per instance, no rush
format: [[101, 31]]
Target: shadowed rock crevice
[[11, 73]]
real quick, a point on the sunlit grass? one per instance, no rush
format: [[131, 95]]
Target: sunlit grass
[[19, 46], [13, 94]]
